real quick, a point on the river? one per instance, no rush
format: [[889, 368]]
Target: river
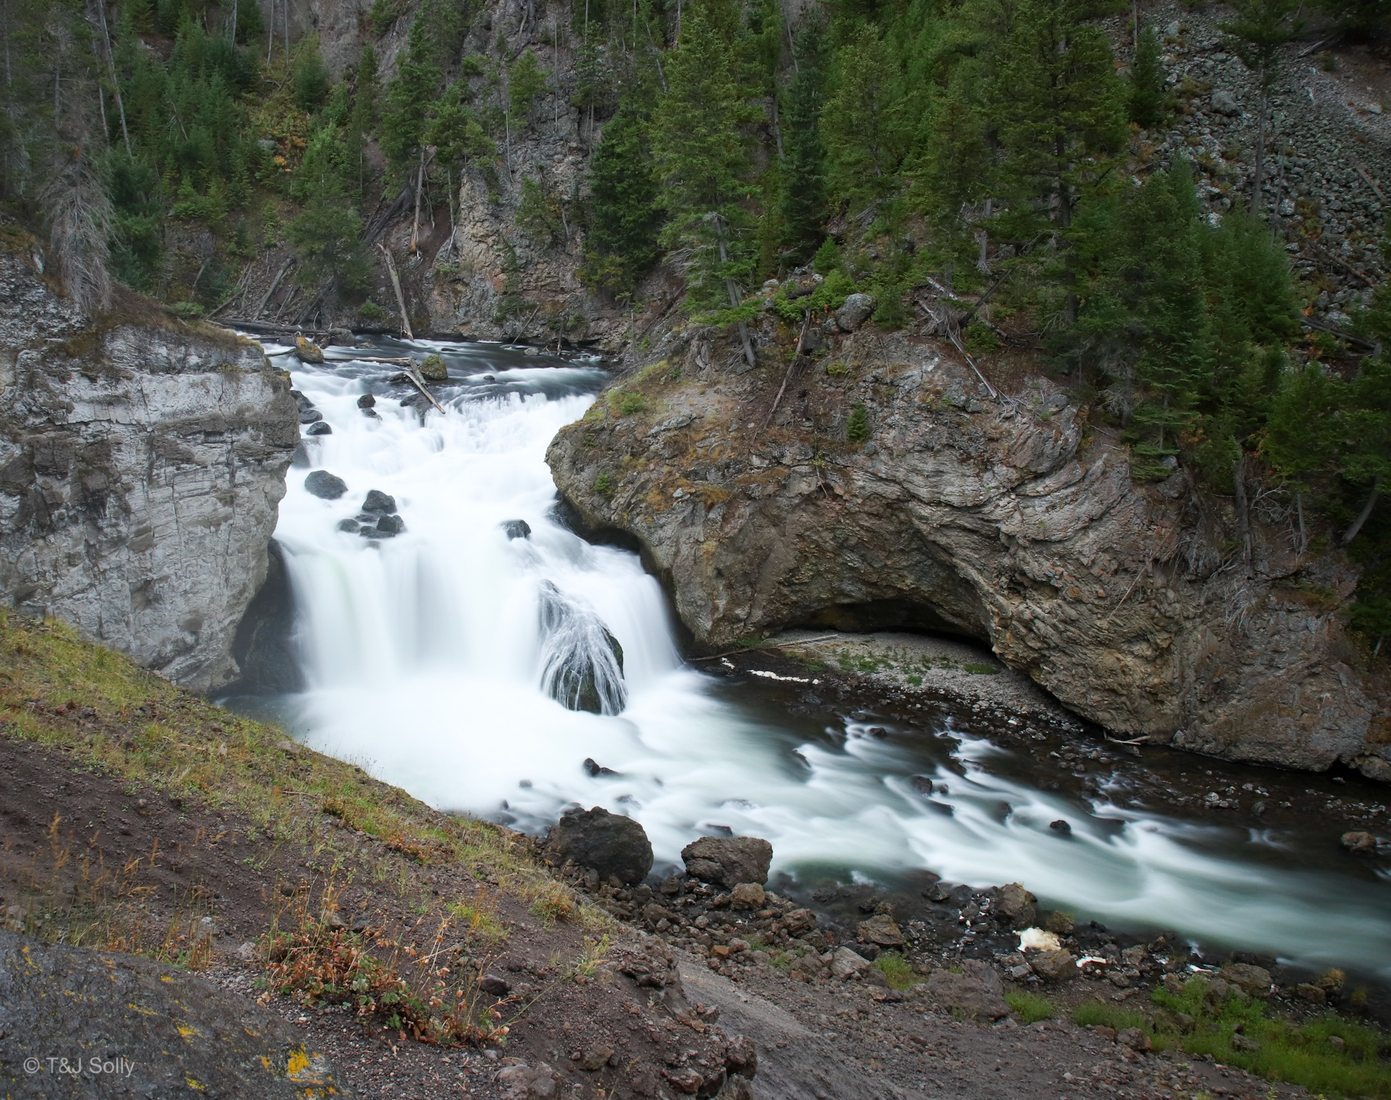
[[432, 659]]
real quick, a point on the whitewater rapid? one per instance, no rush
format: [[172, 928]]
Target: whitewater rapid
[[424, 657]]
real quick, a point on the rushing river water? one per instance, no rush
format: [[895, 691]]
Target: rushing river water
[[426, 654]]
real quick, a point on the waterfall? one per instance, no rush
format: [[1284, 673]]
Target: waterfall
[[482, 655]]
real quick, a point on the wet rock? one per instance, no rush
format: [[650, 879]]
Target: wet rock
[[1359, 843], [854, 312], [975, 990], [321, 427], [517, 529], [366, 401], [371, 414], [433, 369], [586, 672], [728, 861], [1254, 981], [309, 415], [379, 502], [1061, 827], [1307, 991], [300, 459], [594, 769], [386, 527], [264, 646], [1054, 966], [351, 526], [607, 843], [848, 964], [1015, 906], [307, 350], [882, 931], [325, 486], [747, 895]]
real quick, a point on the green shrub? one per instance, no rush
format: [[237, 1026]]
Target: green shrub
[[1029, 1007]]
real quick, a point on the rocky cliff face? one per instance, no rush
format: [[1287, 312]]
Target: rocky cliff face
[[885, 489], [141, 462]]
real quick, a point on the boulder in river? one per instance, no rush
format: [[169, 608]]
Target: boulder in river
[[319, 427], [308, 414], [379, 502], [307, 350], [433, 369], [325, 486], [607, 843], [728, 860], [390, 525], [582, 662], [366, 401], [1015, 906], [517, 529]]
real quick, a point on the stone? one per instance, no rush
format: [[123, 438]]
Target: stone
[[854, 312], [520, 1081], [1015, 906], [1224, 102], [882, 931], [391, 525], [321, 427], [1054, 966], [366, 401], [1359, 843], [747, 895], [494, 986], [975, 990], [307, 350], [516, 529], [608, 843], [847, 964], [433, 369], [1307, 991], [379, 502], [971, 511], [309, 415], [728, 861], [140, 469], [325, 486], [587, 672], [1254, 981], [1134, 1038]]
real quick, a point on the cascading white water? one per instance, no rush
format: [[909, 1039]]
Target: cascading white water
[[435, 658]]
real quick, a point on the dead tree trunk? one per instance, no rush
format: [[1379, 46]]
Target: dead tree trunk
[[400, 298]]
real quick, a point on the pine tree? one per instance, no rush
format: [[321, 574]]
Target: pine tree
[[702, 166], [624, 206], [862, 122], [804, 168], [1148, 98], [1260, 29]]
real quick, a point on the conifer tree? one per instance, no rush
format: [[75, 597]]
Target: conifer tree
[[702, 166], [804, 167], [1148, 98], [1260, 29], [624, 208], [862, 123]]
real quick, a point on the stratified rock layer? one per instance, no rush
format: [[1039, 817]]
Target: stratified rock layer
[[141, 462], [986, 518]]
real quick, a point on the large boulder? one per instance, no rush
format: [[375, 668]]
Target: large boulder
[[1000, 520], [581, 660], [973, 990], [854, 312], [325, 486], [307, 350], [609, 844], [728, 860]]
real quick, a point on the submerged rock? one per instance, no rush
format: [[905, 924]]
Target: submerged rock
[[582, 662], [604, 842], [325, 486], [517, 529], [728, 860], [391, 525], [320, 427], [366, 401]]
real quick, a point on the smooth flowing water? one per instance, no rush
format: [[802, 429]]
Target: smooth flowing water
[[434, 659]]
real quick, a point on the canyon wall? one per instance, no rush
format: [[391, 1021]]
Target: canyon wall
[[887, 489], [141, 462]]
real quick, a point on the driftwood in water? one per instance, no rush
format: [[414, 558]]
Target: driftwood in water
[[413, 376]]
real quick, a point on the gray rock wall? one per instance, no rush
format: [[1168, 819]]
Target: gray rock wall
[[996, 520], [141, 462]]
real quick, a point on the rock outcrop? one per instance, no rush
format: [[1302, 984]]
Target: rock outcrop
[[997, 520], [141, 462]]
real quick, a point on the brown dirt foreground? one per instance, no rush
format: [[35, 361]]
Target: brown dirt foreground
[[425, 955]]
